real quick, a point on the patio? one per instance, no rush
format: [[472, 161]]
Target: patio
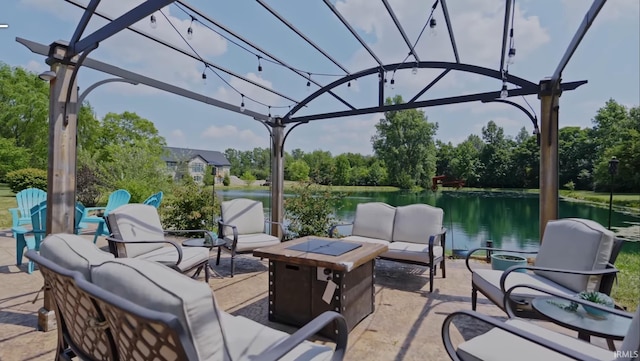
[[406, 323]]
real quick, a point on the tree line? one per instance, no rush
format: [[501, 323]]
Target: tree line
[[126, 151]]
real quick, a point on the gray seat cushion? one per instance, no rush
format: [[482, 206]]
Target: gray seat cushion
[[488, 281], [248, 242], [246, 214], [191, 256], [159, 288], [575, 244], [416, 222], [413, 252], [365, 240], [499, 345], [246, 339], [374, 220], [73, 252], [136, 222]]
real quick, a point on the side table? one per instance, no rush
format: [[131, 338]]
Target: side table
[[610, 327], [202, 242]]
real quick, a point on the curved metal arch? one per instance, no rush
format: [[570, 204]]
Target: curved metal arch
[[496, 74], [534, 119]]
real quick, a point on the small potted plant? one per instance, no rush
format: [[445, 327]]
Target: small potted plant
[[596, 297]]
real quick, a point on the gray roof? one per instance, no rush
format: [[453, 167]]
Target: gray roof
[[212, 157]]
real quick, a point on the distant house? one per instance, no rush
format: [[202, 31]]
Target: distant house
[[195, 162]]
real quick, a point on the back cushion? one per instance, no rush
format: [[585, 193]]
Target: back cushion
[[73, 253], [136, 222], [575, 244], [416, 222], [157, 287], [246, 214], [374, 220]]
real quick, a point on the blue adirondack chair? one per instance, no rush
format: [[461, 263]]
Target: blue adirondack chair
[[31, 238], [26, 199], [154, 199], [116, 199]]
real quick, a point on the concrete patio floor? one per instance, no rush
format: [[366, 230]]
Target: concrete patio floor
[[406, 324]]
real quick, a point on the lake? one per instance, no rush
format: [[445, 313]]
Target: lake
[[509, 219]]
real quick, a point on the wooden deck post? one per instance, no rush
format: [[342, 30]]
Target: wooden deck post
[[549, 106]]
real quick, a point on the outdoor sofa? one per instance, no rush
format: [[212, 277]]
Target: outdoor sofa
[[111, 308], [413, 233]]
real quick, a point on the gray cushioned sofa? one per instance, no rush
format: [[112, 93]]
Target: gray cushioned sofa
[[413, 233], [206, 332]]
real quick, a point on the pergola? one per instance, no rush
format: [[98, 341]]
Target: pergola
[[66, 58]]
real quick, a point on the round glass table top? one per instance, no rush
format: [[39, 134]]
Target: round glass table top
[[556, 309]]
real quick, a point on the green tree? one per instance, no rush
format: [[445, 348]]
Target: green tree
[[12, 157], [298, 170], [495, 157], [445, 154], [342, 175], [248, 177], [189, 206], [24, 107], [466, 164], [576, 156], [404, 141], [321, 166], [311, 210]]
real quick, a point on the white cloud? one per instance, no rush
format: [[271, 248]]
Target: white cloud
[[35, 66], [229, 136], [177, 135], [350, 135]]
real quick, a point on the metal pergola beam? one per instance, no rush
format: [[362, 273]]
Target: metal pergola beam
[[522, 83], [301, 34], [400, 29], [125, 74], [84, 21], [353, 31], [589, 17], [127, 19], [263, 51], [505, 31], [447, 19], [191, 55]]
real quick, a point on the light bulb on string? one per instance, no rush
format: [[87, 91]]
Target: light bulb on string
[[309, 82], [190, 30], [349, 84], [432, 25], [504, 93], [242, 108], [152, 22], [414, 70], [512, 55], [259, 65], [204, 76], [270, 119], [393, 83]]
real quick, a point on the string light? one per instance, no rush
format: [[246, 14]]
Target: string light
[[432, 25], [242, 108], [259, 65], [504, 93], [393, 82], [512, 55], [309, 82], [204, 75], [152, 22], [349, 84], [190, 29], [270, 119], [414, 70]]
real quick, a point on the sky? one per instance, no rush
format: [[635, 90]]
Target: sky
[[608, 58]]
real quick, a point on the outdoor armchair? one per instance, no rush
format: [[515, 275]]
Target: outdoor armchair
[[26, 199], [575, 255], [242, 226], [154, 199], [97, 214], [518, 339], [136, 232], [133, 309]]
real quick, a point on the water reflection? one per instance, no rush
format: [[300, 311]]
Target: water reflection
[[509, 219]]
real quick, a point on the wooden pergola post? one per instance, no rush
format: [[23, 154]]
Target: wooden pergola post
[[549, 106], [277, 176], [61, 170]]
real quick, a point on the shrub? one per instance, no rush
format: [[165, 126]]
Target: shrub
[[27, 178], [88, 185], [190, 206], [311, 210], [226, 180], [248, 178]]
